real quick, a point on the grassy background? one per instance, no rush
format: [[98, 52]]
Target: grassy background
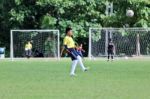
[[40, 79]]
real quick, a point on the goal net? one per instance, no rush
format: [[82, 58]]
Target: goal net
[[127, 41], [45, 43]]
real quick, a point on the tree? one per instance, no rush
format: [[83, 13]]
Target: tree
[[79, 14]]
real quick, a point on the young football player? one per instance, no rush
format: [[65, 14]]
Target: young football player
[[28, 49], [69, 45], [110, 50]]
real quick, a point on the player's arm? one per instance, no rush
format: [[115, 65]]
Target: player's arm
[[65, 45], [114, 48], [25, 47], [66, 48], [31, 46], [83, 50], [62, 50], [81, 46]]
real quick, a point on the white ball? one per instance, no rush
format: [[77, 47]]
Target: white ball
[[126, 57], [130, 13]]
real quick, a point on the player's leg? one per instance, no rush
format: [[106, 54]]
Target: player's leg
[[26, 53], [73, 65], [81, 63], [108, 55], [112, 55], [30, 53], [78, 57], [80, 53]]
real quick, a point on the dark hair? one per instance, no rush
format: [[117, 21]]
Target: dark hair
[[110, 39], [68, 29]]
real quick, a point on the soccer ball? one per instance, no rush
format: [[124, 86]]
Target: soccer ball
[[126, 57], [130, 13]]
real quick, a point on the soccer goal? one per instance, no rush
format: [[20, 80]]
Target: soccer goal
[[128, 41], [45, 43]]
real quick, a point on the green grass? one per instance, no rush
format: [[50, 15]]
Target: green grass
[[39, 79]]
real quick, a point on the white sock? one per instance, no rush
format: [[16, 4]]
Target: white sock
[[73, 67], [80, 62]]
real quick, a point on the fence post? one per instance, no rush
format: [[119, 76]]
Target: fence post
[[106, 41], [90, 44], [138, 45]]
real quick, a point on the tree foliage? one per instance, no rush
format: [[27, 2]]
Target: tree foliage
[[79, 14]]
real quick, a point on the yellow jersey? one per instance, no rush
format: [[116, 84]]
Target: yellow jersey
[[28, 46], [69, 42]]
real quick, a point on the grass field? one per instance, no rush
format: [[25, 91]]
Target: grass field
[[40, 79]]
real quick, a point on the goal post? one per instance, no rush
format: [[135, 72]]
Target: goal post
[[128, 41], [46, 43]]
